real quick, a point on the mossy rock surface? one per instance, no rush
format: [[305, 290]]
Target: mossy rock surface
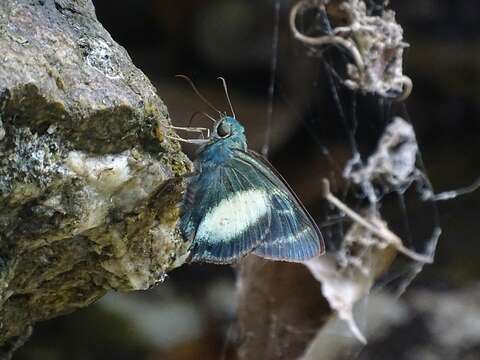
[[88, 195]]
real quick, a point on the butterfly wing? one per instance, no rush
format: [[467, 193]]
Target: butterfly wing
[[225, 215], [245, 205], [293, 234]]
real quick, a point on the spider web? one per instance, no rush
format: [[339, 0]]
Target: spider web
[[384, 170], [378, 172]]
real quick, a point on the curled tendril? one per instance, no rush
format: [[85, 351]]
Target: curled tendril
[[407, 89], [322, 40], [349, 45]]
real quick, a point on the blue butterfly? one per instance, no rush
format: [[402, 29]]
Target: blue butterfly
[[236, 203]]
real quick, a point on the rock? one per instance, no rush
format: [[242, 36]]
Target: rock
[[88, 195]]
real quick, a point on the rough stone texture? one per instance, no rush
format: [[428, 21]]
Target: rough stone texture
[[88, 196]]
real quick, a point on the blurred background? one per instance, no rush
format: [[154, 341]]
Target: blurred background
[[192, 314]]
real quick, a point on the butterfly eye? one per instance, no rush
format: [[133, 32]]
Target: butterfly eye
[[223, 130]]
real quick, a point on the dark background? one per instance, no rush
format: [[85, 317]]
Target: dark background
[[191, 314]]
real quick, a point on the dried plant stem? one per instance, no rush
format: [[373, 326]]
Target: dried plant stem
[[407, 89], [381, 231], [375, 69], [323, 40]]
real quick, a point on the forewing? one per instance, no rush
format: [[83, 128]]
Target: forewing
[[293, 234], [227, 215]]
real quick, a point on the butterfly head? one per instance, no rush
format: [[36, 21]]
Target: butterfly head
[[227, 136], [228, 132], [228, 127]]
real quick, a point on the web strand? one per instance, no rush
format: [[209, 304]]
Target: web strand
[[273, 72]]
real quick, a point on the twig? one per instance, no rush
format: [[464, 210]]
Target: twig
[[407, 89], [382, 232], [449, 195]]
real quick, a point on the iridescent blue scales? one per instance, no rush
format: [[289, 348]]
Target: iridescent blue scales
[[236, 203]]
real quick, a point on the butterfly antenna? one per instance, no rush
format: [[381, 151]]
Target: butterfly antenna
[[226, 93], [198, 93], [196, 113], [209, 117]]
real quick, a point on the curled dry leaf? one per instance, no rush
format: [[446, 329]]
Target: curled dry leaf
[[347, 276]]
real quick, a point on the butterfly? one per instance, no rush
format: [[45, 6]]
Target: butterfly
[[236, 203]]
